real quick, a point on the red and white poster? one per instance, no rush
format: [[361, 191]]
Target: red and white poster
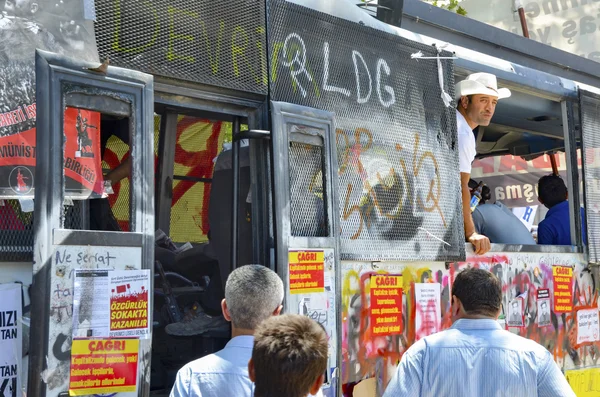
[[129, 303], [386, 305], [83, 165]]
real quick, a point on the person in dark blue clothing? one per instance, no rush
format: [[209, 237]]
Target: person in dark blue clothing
[[555, 229]]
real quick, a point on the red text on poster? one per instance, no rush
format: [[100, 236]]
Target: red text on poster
[[386, 305], [563, 289], [129, 303], [102, 366], [307, 271]]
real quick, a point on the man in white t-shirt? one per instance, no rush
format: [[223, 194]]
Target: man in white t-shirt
[[477, 97]]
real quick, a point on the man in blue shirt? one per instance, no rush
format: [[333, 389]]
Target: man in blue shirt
[[555, 229], [476, 357]]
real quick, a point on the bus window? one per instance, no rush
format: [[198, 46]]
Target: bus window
[[513, 157]]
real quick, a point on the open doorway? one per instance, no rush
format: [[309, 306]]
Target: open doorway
[[194, 200]]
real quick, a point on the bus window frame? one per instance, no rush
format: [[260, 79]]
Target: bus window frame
[[179, 98]]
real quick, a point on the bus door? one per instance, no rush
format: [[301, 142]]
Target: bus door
[[91, 326], [306, 218], [589, 107]]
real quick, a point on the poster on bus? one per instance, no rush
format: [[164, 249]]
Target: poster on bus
[[111, 303], [10, 340], [63, 27]]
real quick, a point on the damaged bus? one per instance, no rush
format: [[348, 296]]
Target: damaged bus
[[148, 148]]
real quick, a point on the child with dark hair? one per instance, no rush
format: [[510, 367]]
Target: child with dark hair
[[555, 229], [289, 357]]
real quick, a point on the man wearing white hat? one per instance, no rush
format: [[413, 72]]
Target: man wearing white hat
[[477, 97]]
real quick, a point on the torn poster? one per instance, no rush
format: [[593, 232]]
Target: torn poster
[[90, 303]]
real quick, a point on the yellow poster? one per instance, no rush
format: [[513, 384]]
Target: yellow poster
[[103, 366], [585, 382], [307, 271]]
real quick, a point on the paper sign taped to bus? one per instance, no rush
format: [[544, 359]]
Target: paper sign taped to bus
[[307, 271], [10, 340], [101, 366]]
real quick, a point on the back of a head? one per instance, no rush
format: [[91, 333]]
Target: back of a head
[[479, 291], [252, 293], [289, 356], [552, 190]]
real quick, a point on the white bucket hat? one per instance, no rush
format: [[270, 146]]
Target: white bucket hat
[[482, 84]]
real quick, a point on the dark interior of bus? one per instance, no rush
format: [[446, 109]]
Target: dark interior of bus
[[193, 221], [523, 125]]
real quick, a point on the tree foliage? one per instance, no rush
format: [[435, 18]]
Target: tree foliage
[[451, 5]]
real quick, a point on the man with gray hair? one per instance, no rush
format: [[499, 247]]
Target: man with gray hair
[[253, 293]]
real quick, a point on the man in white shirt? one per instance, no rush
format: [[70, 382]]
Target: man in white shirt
[[253, 293], [477, 97]]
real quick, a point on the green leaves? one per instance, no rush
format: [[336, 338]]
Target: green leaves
[[450, 5]]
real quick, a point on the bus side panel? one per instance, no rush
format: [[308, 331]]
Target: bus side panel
[[371, 356]]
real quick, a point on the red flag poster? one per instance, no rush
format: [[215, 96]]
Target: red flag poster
[[83, 167]]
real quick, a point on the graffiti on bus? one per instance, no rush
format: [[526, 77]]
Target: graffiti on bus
[[522, 274]]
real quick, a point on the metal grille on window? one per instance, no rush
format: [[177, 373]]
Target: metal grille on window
[[16, 234], [590, 123], [220, 43], [74, 213], [16, 229], [399, 191], [307, 205]]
